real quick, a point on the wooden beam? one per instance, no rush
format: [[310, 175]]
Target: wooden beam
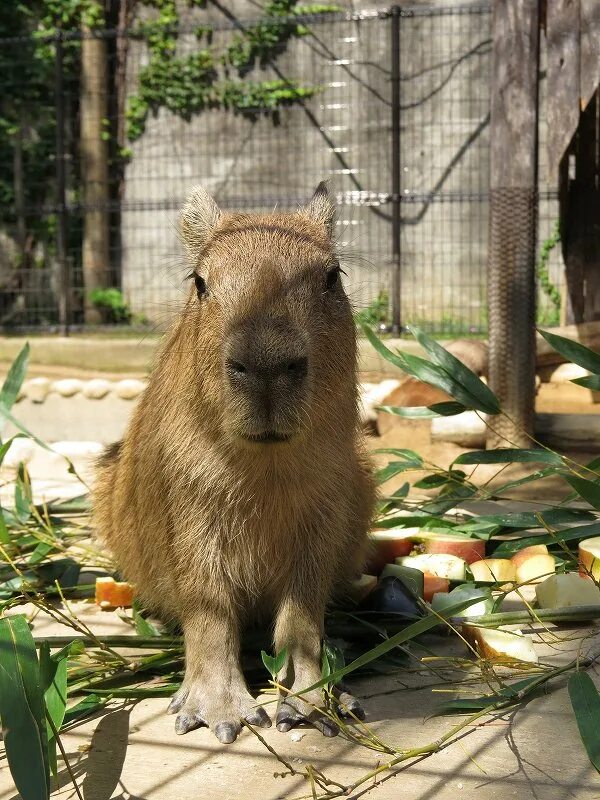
[[563, 70], [513, 191], [590, 49]]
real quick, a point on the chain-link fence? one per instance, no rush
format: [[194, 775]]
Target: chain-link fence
[[104, 132]]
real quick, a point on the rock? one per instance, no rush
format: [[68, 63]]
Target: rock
[[67, 387], [97, 388], [36, 389], [129, 389], [20, 451], [567, 372]]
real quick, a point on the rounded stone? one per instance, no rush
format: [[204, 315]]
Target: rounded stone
[[97, 388], [129, 388], [67, 387], [36, 389], [568, 372], [20, 451]]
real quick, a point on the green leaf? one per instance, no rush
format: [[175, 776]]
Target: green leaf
[[274, 664], [509, 455], [23, 496], [586, 706], [573, 351], [473, 385], [506, 549], [405, 635], [516, 691], [588, 490], [428, 372], [22, 710], [89, 705], [14, 379], [53, 672], [410, 412], [448, 409], [407, 455], [142, 625], [589, 382], [534, 476], [395, 468], [529, 519]]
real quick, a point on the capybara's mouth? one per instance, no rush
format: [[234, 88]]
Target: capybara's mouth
[[268, 437]]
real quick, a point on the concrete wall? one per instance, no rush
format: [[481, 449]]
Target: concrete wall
[[344, 134]]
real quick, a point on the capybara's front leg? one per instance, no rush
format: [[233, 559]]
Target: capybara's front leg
[[214, 692]]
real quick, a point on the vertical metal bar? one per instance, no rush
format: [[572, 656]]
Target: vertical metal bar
[[61, 194], [396, 222]]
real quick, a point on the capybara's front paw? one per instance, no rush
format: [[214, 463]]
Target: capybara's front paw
[[223, 711]]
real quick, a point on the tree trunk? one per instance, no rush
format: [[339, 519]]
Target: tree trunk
[[513, 179], [94, 170]]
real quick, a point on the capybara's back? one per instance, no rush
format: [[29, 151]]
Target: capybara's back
[[240, 488]]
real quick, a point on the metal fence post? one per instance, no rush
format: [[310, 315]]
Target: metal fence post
[[61, 196], [396, 221]]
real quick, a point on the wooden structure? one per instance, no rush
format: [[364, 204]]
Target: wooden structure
[[572, 57]]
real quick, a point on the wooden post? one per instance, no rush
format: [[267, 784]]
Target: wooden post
[[513, 192], [94, 169]]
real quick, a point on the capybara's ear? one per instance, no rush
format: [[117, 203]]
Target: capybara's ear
[[321, 207], [199, 216]]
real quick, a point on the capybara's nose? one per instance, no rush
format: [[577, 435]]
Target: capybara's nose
[[245, 369]]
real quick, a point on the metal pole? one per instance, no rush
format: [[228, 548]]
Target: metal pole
[[396, 222], [61, 195]]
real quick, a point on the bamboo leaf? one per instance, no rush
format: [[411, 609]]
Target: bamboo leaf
[[89, 705], [14, 380], [142, 625], [447, 409], [588, 490], [589, 382], [573, 351], [529, 519], [586, 706], [53, 672], [274, 664], [22, 710], [405, 635], [395, 468], [410, 412], [516, 691], [509, 456], [407, 455], [473, 385], [506, 549]]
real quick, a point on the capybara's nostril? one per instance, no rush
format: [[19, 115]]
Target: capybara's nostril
[[298, 367], [235, 367]]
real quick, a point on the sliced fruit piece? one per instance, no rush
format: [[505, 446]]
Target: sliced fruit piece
[[413, 579], [360, 587], [113, 594], [386, 546], [499, 644], [461, 593], [566, 590], [527, 552], [433, 585], [535, 568], [589, 558], [497, 570], [438, 564], [468, 549]]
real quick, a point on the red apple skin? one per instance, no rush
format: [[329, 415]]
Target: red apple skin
[[385, 551], [528, 552], [469, 550], [433, 584]]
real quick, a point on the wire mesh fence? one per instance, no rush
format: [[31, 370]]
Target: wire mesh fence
[[105, 131]]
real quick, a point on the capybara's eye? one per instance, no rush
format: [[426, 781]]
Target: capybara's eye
[[332, 277], [200, 284]]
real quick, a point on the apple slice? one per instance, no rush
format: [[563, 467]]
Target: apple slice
[[589, 558], [468, 549], [500, 644], [442, 566], [388, 545], [497, 570], [360, 587], [477, 609], [535, 568], [567, 590], [527, 552]]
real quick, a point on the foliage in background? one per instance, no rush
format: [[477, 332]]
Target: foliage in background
[[549, 316], [377, 312], [189, 84], [112, 304]]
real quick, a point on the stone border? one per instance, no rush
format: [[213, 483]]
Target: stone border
[[38, 389]]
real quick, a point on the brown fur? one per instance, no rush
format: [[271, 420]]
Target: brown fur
[[214, 529]]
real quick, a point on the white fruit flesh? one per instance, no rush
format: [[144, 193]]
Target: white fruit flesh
[[494, 569], [479, 607], [565, 591], [535, 568], [589, 557], [528, 552], [497, 644], [438, 564]]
